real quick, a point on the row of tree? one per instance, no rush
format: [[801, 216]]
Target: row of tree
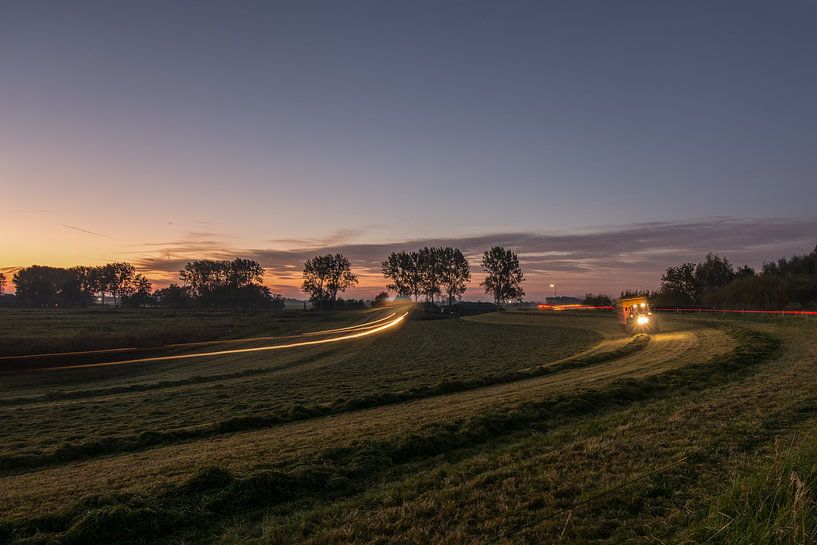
[[445, 271], [238, 283], [40, 286], [786, 283]]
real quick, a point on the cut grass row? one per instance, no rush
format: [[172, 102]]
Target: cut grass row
[[39, 331], [340, 472], [118, 444]]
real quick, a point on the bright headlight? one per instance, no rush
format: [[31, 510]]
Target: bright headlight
[[643, 320]]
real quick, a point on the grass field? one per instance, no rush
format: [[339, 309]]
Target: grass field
[[499, 428]]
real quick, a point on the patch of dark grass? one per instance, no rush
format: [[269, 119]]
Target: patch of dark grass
[[212, 493], [117, 444]]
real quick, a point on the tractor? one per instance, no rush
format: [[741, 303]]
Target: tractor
[[635, 315]]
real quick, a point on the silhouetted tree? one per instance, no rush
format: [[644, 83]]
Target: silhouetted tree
[[430, 264], [380, 299], [223, 283], [121, 281], [2, 283], [455, 273], [681, 283], [504, 277], [403, 269], [326, 276], [712, 274], [174, 296], [141, 293], [599, 300]]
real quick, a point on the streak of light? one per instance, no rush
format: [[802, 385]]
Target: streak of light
[[365, 325], [350, 336]]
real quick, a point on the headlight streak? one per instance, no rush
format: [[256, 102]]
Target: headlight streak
[[351, 336], [196, 343]]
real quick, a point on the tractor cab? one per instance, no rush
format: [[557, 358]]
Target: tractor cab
[[635, 315]]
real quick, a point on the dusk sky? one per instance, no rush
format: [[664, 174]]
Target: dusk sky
[[603, 141]]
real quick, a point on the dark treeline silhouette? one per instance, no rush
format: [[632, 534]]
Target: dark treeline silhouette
[[41, 286], [220, 284], [324, 277], [2, 283], [503, 276], [438, 273], [442, 271], [445, 271], [786, 284], [597, 300]]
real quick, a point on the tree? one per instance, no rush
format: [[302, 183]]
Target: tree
[[203, 277], [39, 286], [2, 283], [455, 273], [326, 276], [121, 280], [403, 269], [599, 300], [504, 277], [174, 296], [380, 299], [223, 283], [681, 282], [140, 293], [98, 281], [430, 266], [714, 273], [244, 272]]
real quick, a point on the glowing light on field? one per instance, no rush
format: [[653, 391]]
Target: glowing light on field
[[366, 325], [356, 335]]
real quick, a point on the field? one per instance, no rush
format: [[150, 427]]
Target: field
[[499, 428]]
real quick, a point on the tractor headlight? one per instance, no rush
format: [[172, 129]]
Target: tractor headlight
[[642, 320]]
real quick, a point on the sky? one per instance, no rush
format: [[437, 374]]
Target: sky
[[603, 141]]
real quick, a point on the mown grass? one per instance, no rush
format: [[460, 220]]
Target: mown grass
[[774, 504], [337, 473], [420, 361], [40, 331], [505, 473]]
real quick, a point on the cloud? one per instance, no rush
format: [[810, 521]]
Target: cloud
[[601, 259]]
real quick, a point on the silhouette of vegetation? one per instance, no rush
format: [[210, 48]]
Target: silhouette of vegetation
[[786, 284], [504, 277], [41, 286], [2, 283], [222, 284], [325, 276], [402, 270], [380, 299], [429, 271], [599, 300]]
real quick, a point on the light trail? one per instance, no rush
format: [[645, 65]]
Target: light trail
[[348, 337], [365, 325]]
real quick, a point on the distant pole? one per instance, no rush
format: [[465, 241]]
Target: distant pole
[[554, 292]]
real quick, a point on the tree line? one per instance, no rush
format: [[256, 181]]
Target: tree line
[[429, 272], [435, 273], [788, 283], [42, 286], [445, 271]]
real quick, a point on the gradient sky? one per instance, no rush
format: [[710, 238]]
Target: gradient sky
[[650, 131]]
